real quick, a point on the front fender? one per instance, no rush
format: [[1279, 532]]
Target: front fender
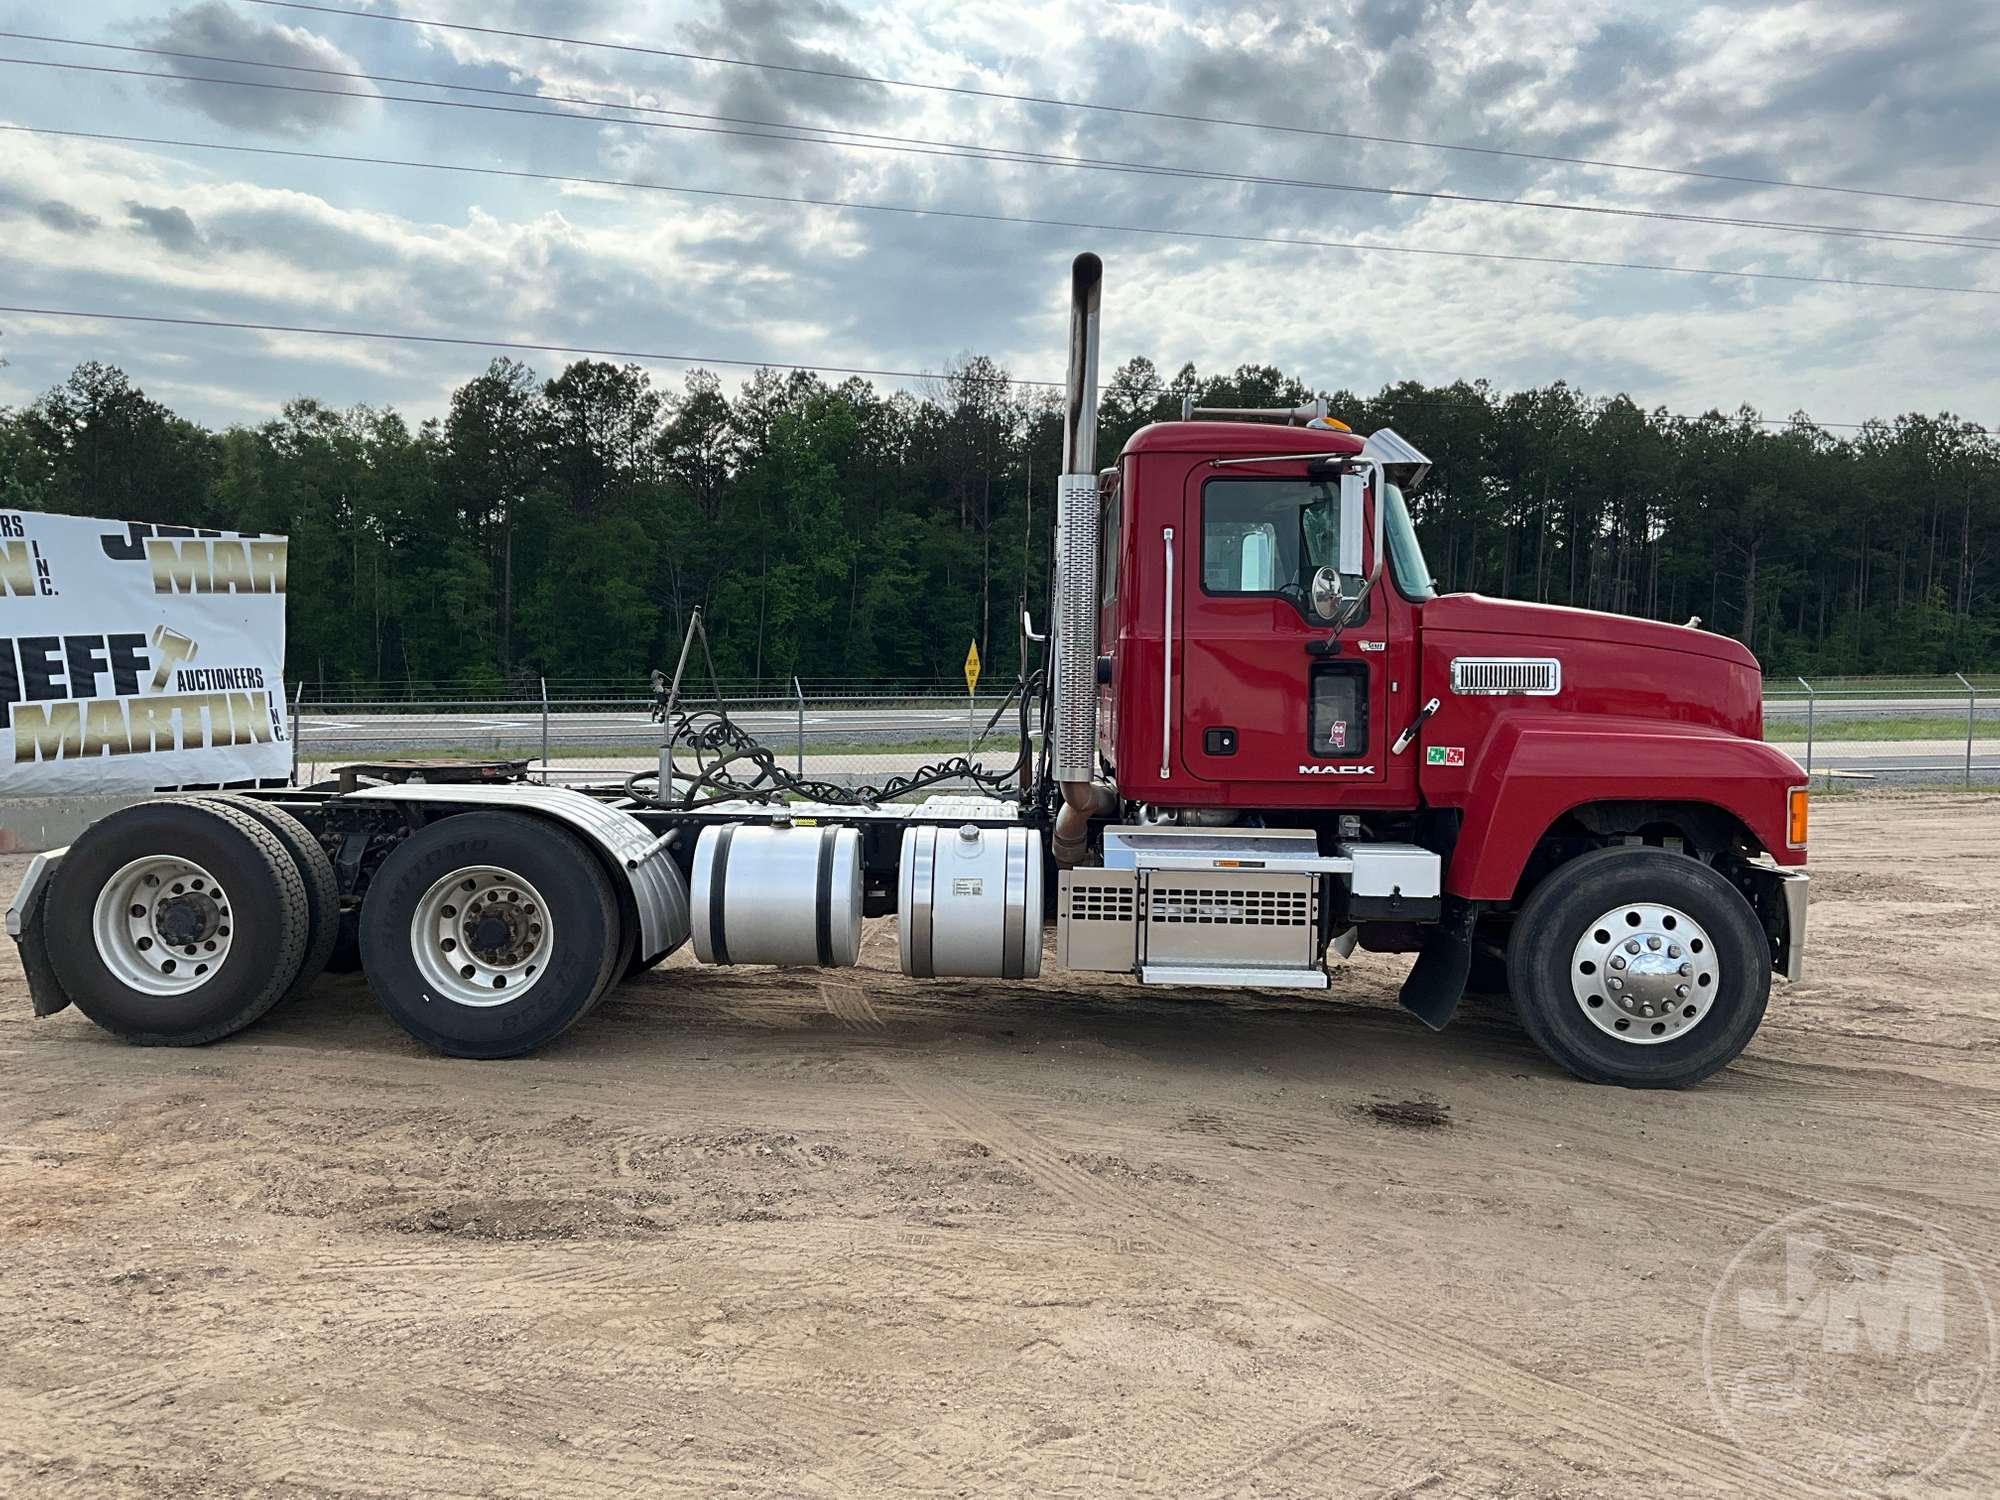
[[1532, 772]]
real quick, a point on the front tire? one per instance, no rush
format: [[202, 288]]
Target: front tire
[[175, 923], [1639, 967], [488, 934]]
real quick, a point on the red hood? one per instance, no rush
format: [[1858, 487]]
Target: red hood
[[1475, 612]]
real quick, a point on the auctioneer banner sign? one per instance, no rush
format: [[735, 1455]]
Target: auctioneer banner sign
[[139, 658]]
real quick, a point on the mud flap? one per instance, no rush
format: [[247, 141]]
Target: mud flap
[[1437, 980], [30, 933]]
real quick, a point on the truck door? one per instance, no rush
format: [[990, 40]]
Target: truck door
[[1267, 695]]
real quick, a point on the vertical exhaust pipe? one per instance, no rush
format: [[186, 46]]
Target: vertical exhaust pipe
[[1086, 297], [1073, 622]]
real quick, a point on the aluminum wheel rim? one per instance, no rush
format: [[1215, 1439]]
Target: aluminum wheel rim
[[1645, 973], [482, 936], [163, 926]]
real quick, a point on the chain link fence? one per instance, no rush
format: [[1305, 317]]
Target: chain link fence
[[1892, 731], [1889, 730], [847, 738]]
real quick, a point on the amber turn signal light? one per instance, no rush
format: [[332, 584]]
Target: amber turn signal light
[[1795, 820]]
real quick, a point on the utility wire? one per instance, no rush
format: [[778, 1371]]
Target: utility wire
[[853, 206], [847, 205], [641, 356], [645, 356], [1118, 109], [917, 145]]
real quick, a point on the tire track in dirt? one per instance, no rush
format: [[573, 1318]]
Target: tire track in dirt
[[1579, 1413]]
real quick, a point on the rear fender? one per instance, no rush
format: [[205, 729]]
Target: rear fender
[[639, 865], [1530, 773]]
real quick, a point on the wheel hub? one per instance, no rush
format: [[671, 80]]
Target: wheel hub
[[1644, 973], [162, 925], [189, 918], [481, 935]]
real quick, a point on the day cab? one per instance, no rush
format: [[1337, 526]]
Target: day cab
[[1275, 652]]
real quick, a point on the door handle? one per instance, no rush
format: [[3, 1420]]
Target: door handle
[[1408, 736]]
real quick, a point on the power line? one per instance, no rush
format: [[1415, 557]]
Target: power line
[[640, 356], [1119, 109], [1355, 247], [848, 205], [917, 145]]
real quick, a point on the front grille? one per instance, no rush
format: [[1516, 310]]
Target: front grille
[[1526, 676]]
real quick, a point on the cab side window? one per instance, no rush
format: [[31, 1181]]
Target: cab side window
[[1269, 536]]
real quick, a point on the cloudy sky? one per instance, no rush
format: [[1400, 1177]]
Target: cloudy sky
[[1884, 96]]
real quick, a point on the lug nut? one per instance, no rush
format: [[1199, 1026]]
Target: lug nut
[[1618, 963], [1616, 983], [1686, 969], [1681, 990], [1653, 943], [1673, 950]]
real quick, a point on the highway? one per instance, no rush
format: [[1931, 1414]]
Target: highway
[[885, 738], [868, 724]]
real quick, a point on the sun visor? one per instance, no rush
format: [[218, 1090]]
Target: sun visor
[[1390, 451]]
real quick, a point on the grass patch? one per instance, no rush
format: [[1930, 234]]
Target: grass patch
[[1829, 728]]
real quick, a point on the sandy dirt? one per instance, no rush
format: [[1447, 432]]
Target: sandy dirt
[[767, 1233]]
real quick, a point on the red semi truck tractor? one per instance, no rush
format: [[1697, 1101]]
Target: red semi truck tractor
[[1267, 739]]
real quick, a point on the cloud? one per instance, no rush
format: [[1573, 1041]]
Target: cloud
[[1836, 90], [213, 29], [769, 31], [172, 227], [65, 218]]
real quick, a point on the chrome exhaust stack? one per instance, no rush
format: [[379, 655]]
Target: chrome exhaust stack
[[1073, 609]]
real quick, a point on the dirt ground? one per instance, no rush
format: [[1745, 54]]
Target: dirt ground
[[766, 1233]]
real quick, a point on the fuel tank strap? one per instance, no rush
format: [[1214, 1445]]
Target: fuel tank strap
[[717, 941], [823, 897]]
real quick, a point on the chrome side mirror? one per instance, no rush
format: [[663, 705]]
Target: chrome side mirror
[[1353, 522], [1325, 595]]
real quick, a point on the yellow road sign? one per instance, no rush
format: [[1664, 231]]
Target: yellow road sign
[[972, 668]]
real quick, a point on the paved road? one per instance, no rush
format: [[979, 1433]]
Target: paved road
[[381, 733], [1928, 761]]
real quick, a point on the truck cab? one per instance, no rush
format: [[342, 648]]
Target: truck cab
[[1227, 687], [1235, 683]]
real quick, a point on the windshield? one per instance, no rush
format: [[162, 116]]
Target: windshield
[[1413, 574]]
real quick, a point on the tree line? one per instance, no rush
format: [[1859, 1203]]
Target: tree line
[[565, 528]]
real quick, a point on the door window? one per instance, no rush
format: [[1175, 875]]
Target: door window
[[1270, 536]]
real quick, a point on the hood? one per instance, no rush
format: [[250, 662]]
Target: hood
[[1476, 612]]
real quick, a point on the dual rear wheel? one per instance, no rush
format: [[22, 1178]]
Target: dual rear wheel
[[487, 934], [181, 921]]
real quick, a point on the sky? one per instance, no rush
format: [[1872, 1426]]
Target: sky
[[1889, 98]]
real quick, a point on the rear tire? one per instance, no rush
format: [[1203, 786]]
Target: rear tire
[[1683, 1003], [322, 887], [177, 922], [521, 904]]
